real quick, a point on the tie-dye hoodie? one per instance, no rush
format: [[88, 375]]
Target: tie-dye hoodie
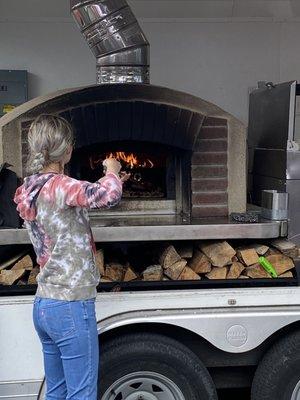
[[54, 208]]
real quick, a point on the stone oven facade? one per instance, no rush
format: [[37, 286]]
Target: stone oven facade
[[201, 149]]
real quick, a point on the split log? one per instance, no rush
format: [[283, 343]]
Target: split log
[[25, 263], [235, 270], [243, 277], [285, 247], [185, 251], [199, 263], [32, 277], [105, 279], [217, 273], [153, 273], [248, 256], [99, 261], [261, 249], [175, 270], [219, 253], [281, 263], [12, 260], [130, 275], [188, 275], [115, 272], [9, 277], [169, 257], [287, 274], [256, 271]]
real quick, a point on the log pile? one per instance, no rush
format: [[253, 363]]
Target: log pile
[[188, 261], [19, 270], [208, 260]]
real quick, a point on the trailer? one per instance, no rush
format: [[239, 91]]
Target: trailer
[[171, 340]]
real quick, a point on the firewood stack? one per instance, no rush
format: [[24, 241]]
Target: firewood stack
[[184, 262], [18, 270], [207, 260]]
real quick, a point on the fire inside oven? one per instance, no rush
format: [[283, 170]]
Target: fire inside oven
[[152, 168]]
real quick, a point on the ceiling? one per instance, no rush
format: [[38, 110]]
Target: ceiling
[[203, 9]]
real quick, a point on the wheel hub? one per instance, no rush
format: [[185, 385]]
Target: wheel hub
[[143, 386], [141, 396]]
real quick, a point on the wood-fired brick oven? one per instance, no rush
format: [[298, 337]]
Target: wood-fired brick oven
[[190, 154]]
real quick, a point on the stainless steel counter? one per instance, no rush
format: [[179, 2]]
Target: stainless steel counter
[[162, 227]]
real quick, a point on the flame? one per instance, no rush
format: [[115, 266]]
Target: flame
[[131, 160]]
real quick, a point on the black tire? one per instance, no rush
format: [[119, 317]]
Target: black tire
[[155, 354], [278, 373]]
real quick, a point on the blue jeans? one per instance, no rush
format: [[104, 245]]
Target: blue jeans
[[68, 333]]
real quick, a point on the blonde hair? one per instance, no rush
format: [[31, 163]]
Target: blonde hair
[[49, 138]]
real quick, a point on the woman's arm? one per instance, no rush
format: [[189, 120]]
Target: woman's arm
[[106, 192]]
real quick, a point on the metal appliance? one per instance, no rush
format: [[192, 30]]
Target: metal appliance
[[273, 144]]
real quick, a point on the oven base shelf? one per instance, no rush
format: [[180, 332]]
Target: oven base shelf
[[169, 228]]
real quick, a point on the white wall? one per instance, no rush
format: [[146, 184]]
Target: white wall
[[218, 60]]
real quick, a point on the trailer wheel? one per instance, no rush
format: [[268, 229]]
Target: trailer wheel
[[278, 374], [152, 367]]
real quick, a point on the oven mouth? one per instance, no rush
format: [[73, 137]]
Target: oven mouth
[[156, 181]]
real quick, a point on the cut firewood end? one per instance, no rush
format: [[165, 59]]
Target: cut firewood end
[[219, 253], [9, 277], [288, 274], [188, 275], [153, 273], [217, 273], [199, 263], [175, 270], [99, 261], [248, 256], [261, 249], [169, 257], [32, 277], [130, 275], [24, 263], [235, 270], [114, 271], [281, 263], [256, 271]]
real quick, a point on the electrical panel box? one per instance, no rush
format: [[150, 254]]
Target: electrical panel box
[[13, 89]]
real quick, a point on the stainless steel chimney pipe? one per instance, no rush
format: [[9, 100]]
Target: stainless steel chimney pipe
[[115, 38]]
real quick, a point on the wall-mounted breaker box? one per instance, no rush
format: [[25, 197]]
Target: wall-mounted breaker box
[[13, 89]]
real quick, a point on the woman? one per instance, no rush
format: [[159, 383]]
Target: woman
[[54, 208]]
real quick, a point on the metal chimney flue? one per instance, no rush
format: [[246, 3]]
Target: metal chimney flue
[[115, 38]]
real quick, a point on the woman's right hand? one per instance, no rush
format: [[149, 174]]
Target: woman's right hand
[[112, 165]]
